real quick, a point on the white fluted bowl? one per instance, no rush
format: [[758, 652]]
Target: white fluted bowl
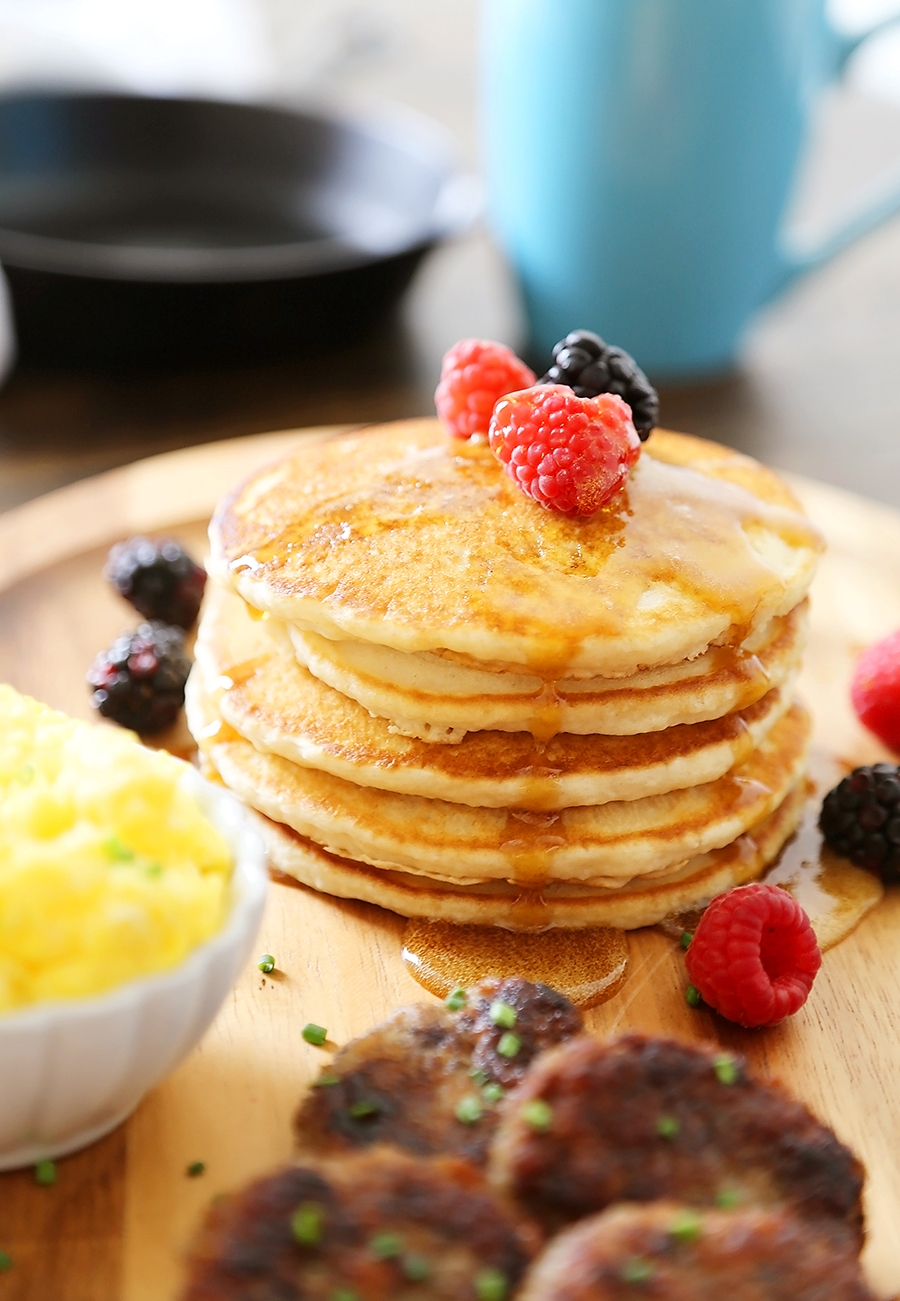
[[71, 1071]]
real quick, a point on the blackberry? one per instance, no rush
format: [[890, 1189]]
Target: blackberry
[[139, 681], [860, 819], [159, 579], [589, 366]]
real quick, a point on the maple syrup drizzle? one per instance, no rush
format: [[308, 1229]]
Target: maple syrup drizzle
[[530, 845], [547, 714], [588, 966], [675, 539], [218, 732], [834, 894], [236, 675]]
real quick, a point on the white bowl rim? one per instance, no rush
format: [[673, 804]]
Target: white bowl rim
[[250, 880]]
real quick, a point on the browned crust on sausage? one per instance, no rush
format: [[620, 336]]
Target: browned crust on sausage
[[676, 1253], [639, 1119], [440, 1217], [402, 1082]]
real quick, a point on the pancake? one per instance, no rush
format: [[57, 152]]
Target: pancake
[[270, 700], [605, 844], [436, 696], [642, 903], [406, 538], [429, 696]]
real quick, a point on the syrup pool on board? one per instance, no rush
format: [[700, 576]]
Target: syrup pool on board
[[588, 966], [833, 892]]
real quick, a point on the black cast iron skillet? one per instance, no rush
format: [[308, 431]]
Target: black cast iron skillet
[[137, 230]]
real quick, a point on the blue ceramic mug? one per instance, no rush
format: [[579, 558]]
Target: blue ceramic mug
[[640, 157]]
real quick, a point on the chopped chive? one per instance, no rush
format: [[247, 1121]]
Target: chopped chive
[[636, 1271], [26, 774], [686, 937], [326, 1079], [386, 1246], [538, 1114], [456, 999], [687, 1227], [492, 1091], [478, 1075], [266, 963], [692, 996], [468, 1110], [415, 1268], [118, 852], [195, 1168], [359, 1110], [6, 1261], [343, 1294], [314, 1034], [667, 1127], [154, 869], [307, 1224], [727, 1199], [503, 1014], [725, 1068], [45, 1173], [490, 1285], [509, 1044]]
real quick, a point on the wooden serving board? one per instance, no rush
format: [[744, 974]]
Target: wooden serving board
[[116, 1224]]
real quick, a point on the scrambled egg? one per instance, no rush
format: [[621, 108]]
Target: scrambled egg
[[108, 869]]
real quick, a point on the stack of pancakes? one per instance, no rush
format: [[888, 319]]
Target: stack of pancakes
[[442, 698]]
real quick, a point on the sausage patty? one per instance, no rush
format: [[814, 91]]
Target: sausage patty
[[430, 1079], [672, 1252], [639, 1119], [373, 1226]]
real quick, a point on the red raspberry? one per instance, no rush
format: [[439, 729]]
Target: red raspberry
[[754, 955], [875, 690], [474, 374], [571, 454]]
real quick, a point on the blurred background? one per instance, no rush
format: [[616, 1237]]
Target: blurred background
[[816, 385]]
